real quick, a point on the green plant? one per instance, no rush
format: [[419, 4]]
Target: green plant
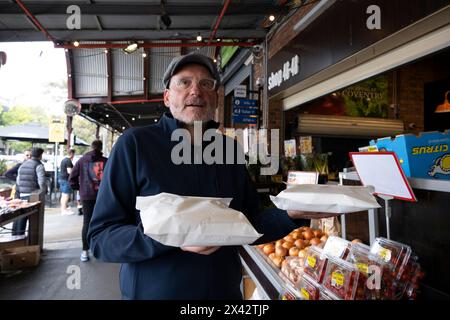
[[315, 162], [307, 162], [288, 163], [321, 163]]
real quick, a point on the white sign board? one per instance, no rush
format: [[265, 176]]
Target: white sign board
[[240, 91], [302, 177], [382, 171]]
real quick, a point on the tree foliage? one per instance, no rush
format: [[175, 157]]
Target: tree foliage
[[85, 130], [23, 114]]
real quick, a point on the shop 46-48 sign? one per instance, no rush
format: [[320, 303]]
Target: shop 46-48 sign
[[290, 69]]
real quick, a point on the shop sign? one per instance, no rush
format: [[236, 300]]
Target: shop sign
[[306, 144], [290, 148], [238, 118], [289, 68], [344, 29], [56, 130], [245, 111], [240, 91], [245, 102], [248, 111]]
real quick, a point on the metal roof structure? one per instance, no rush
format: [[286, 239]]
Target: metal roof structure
[[32, 132], [124, 90]]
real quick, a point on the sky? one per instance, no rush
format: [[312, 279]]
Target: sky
[[29, 66]]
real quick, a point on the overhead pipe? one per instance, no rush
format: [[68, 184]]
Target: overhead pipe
[[155, 45], [35, 21], [120, 115], [222, 13]]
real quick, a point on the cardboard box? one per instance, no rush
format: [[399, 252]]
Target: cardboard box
[[9, 241], [19, 258], [424, 156]]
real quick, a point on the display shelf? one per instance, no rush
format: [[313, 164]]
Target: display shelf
[[430, 184], [416, 183], [265, 276]]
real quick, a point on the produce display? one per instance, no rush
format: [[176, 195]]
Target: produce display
[[332, 268], [337, 247], [287, 294], [359, 256], [315, 263], [341, 278], [408, 285], [308, 288], [294, 244], [402, 271], [292, 268], [324, 294]]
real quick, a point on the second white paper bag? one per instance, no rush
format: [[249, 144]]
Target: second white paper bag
[[326, 198]]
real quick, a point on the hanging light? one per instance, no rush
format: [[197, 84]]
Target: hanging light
[[272, 18], [164, 20], [144, 55], [199, 38], [76, 43], [132, 47], [445, 107]]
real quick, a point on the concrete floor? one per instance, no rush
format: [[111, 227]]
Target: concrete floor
[[60, 274]]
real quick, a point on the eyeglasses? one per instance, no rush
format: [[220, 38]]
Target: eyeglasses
[[186, 83]]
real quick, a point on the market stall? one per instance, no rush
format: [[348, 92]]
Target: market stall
[[16, 209]]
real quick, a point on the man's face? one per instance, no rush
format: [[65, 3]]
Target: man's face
[[27, 155], [189, 96]]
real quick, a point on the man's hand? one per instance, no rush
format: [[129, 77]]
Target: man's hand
[[200, 250], [294, 214]]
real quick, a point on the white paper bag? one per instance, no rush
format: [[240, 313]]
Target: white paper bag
[[194, 221], [326, 198]]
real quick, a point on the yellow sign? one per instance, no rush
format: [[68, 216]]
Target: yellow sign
[[56, 130]]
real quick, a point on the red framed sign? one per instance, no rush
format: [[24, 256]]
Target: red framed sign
[[382, 170]]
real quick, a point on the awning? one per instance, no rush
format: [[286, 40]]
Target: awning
[[32, 132]]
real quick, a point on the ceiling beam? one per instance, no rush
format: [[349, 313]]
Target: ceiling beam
[[110, 45], [99, 24], [144, 9], [126, 35]]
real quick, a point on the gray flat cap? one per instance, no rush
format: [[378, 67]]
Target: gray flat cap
[[194, 58]]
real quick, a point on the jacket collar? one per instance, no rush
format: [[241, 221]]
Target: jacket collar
[[169, 123]]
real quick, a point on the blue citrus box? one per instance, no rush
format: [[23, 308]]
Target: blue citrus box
[[426, 155]]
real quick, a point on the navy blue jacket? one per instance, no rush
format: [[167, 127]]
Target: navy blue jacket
[[140, 165]]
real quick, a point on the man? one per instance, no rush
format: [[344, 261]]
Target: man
[[30, 180], [11, 174], [64, 171], [141, 165], [86, 176]]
